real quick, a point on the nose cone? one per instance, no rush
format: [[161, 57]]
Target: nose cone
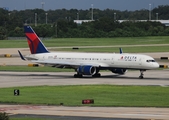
[[156, 65]]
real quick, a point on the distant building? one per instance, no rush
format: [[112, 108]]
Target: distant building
[[6, 8], [81, 21], [165, 22]]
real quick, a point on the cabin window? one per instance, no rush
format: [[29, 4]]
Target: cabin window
[[150, 60]]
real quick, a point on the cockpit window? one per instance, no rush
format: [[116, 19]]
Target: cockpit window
[[150, 60]]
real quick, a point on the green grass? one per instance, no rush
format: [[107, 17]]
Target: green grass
[[104, 95], [88, 41]]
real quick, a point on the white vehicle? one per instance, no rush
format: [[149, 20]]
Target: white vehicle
[[86, 63]]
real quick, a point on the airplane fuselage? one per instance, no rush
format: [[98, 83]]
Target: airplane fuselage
[[131, 61]]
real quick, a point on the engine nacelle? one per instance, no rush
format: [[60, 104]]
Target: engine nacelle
[[119, 71], [86, 70]]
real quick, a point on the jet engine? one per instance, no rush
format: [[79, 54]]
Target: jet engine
[[119, 71], [86, 70]]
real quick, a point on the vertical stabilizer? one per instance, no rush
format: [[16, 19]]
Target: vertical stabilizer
[[34, 42]]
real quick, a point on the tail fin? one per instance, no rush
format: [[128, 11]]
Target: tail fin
[[34, 42]]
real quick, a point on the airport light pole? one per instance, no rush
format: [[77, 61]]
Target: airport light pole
[[26, 21], [114, 16], [92, 12], [46, 18], [149, 12], [9, 14], [35, 19], [56, 30], [77, 16], [156, 16], [42, 3]]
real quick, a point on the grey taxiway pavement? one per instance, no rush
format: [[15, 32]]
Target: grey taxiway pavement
[[152, 77]]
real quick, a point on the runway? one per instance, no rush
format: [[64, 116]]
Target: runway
[[152, 77]]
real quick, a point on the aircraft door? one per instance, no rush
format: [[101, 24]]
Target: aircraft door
[[112, 61], [140, 61], [43, 58]]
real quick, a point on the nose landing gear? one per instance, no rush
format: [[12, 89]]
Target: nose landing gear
[[141, 74]]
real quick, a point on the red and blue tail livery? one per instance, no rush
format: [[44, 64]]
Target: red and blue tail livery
[[35, 44]]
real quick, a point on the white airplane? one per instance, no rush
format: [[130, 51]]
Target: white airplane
[[86, 63]]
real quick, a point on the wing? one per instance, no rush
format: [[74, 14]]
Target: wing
[[64, 63]]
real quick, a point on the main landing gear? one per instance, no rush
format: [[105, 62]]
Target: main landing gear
[[96, 75], [141, 74], [80, 75]]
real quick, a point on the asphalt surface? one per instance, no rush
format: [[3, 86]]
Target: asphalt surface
[[14, 79]]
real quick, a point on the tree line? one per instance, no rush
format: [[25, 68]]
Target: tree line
[[59, 23]]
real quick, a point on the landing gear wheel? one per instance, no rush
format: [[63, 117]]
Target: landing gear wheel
[[141, 74], [96, 75], [78, 75], [141, 77]]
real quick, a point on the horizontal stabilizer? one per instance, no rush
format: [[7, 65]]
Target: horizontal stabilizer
[[21, 55], [121, 51]]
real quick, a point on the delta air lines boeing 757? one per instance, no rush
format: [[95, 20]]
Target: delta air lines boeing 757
[[86, 63]]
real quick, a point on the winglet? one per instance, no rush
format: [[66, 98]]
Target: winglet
[[34, 42], [121, 51], [21, 55]]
